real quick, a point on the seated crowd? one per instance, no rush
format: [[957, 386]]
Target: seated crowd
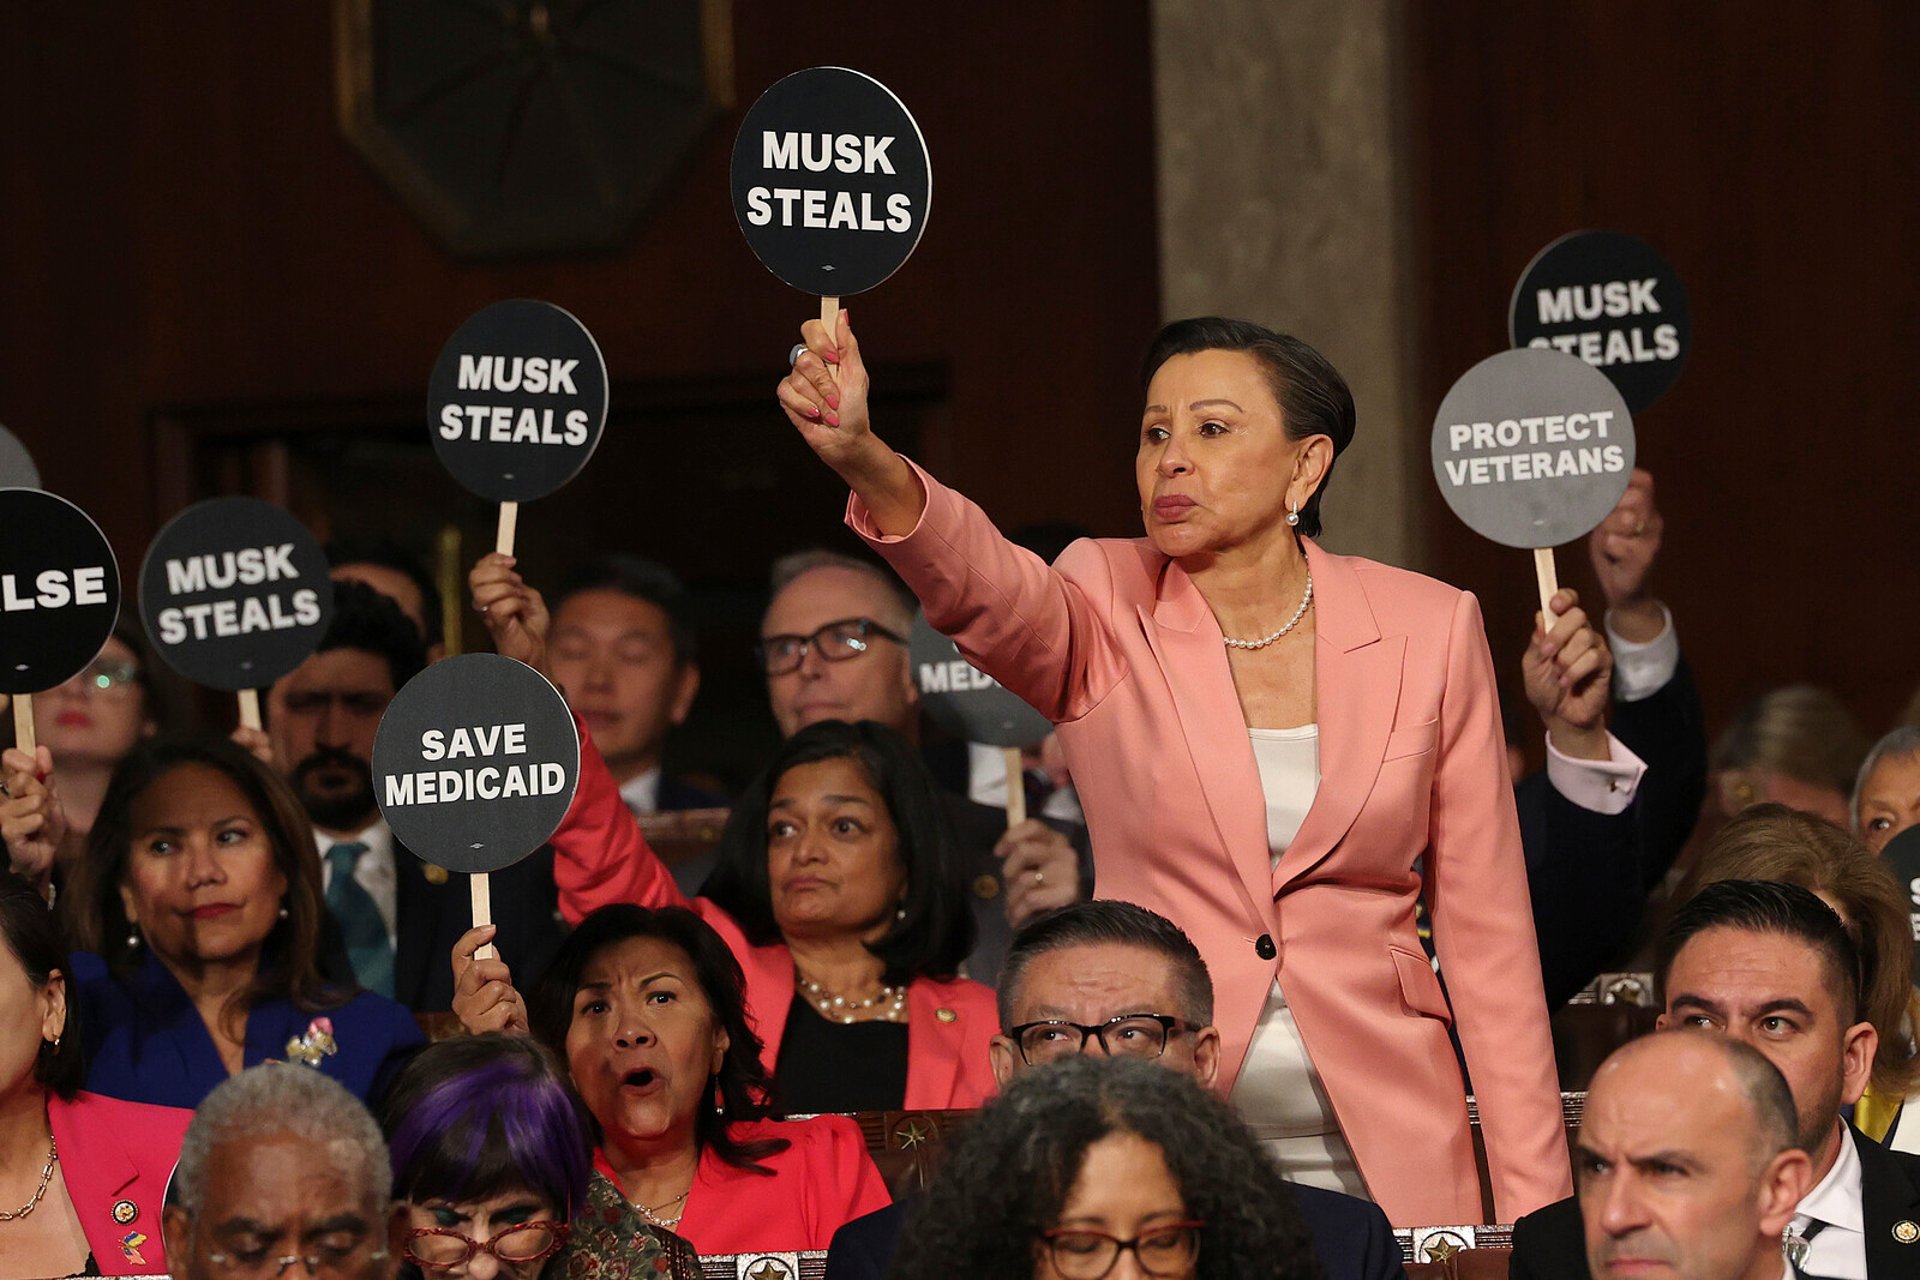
[[220, 972]]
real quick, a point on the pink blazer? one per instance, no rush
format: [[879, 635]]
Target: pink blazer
[[602, 858], [116, 1157], [1117, 646]]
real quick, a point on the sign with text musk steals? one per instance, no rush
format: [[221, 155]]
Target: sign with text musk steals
[[234, 593], [476, 762], [831, 181], [1611, 300], [1532, 448], [517, 401], [966, 701], [59, 590]]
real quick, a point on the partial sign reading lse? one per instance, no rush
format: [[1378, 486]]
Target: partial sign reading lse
[[518, 400], [966, 701], [1611, 300], [476, 762], [831, 181], [59, 590], [234, 593], [1532, 448]]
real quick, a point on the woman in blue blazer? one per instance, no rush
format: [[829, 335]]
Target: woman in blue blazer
[[200, 909]]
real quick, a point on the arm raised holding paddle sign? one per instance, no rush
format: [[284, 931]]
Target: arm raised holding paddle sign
[[1282, 749]]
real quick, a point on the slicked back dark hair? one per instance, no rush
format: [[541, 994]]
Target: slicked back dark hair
[[641, 579], [27, 930], [364, 619], [741, 1090], [1011, 1169], [1314, 399], [388, 554], [1103, 922], [935, 933], [1767, 906]]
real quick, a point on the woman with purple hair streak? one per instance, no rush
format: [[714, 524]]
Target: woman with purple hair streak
[[492, 1157]]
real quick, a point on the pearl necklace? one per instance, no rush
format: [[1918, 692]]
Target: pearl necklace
[[667, 1224], [1292, 622], [843, 1009], [46, 1176]]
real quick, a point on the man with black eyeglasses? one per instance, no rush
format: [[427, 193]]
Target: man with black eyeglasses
[[1117, 978], [833, 646]]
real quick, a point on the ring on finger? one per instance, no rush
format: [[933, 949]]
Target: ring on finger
[[1039, 876], [794, 354], [4, 791]]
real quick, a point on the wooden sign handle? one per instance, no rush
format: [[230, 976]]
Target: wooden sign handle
[[1549, 581], [1016, 787], [250, 709], [23, 722], [830, 321], [509, 519], [480, 887]]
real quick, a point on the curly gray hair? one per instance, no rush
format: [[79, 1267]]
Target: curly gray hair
[[281, 1097]]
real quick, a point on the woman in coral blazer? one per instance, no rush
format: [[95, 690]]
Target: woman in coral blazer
[[1279, 748]]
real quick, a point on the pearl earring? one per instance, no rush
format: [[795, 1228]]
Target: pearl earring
[[133, 937], [1293, 514]]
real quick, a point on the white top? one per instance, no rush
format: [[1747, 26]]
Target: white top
[[1289, 761], [373, 871], [642, 792], [1840, 1250]]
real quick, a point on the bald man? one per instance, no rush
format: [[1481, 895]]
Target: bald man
[[1686, 1161]]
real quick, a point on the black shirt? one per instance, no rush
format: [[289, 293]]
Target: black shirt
[[839, 1066]]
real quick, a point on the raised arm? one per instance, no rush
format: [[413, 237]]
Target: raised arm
[[825, 397]]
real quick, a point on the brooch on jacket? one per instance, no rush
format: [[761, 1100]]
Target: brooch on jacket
[[318, 1043], [130, 1246]]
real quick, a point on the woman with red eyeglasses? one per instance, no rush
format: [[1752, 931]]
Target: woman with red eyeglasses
[[492, 1157]]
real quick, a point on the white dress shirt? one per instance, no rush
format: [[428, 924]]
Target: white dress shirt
[[374, 871], [1639, 671], [1839, 1252], [642, 792]]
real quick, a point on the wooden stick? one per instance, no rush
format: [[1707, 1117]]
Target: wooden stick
[[830, 321], [1016, 787], [480, 887], [249, 708], [509, 519], [23, 722], [1549, 584]]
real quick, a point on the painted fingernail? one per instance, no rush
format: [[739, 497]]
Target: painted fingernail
[[833, 400], [833, 357], [812, 412], [833, 419]]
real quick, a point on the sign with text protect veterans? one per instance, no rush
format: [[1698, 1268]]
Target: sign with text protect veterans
[[234, 593], [1532, 448], [476, 762], [59, 590], [966, 701], [831, 181], [517, 401], [1612, 300]]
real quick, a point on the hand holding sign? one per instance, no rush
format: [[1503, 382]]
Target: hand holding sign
[[517, 404], [32, 821], [515, 613], [59, 597], [235, 594], [1532, 449], [475, 765]]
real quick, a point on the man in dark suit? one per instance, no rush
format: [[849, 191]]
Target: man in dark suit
[[1771, 964], [1117, 978], [397, 917]]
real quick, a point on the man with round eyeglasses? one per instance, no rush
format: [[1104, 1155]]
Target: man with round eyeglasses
[[1115, 978]]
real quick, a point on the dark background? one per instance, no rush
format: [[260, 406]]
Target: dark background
[[204, 289]]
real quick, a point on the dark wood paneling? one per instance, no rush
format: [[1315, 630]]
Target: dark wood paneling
[[1772, 152]]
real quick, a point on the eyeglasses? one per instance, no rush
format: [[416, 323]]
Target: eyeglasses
[[442, 1249], [325, 1260], [835, 642], [1088, 1255], [102, 676], [1131, 1035]]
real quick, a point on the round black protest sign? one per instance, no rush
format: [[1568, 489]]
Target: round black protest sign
[[966, 701], [476, 762], [16, 464], [59, 591], [831, 181], [518, 400], [234, 593], [1532, 448], [1903, 855], [1611, 300]]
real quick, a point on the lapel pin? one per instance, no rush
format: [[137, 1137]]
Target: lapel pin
[[435, 874], [945, 1015], [1906, 1231], [130, 1246], [125, 1211]]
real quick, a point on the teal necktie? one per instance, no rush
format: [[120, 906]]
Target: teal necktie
[[361, 925]]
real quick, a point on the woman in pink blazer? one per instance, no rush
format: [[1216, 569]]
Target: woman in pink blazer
[[1279, 748]]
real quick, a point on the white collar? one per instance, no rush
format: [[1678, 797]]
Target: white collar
[[1835, 1200], [378, 838], [642, 791]]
